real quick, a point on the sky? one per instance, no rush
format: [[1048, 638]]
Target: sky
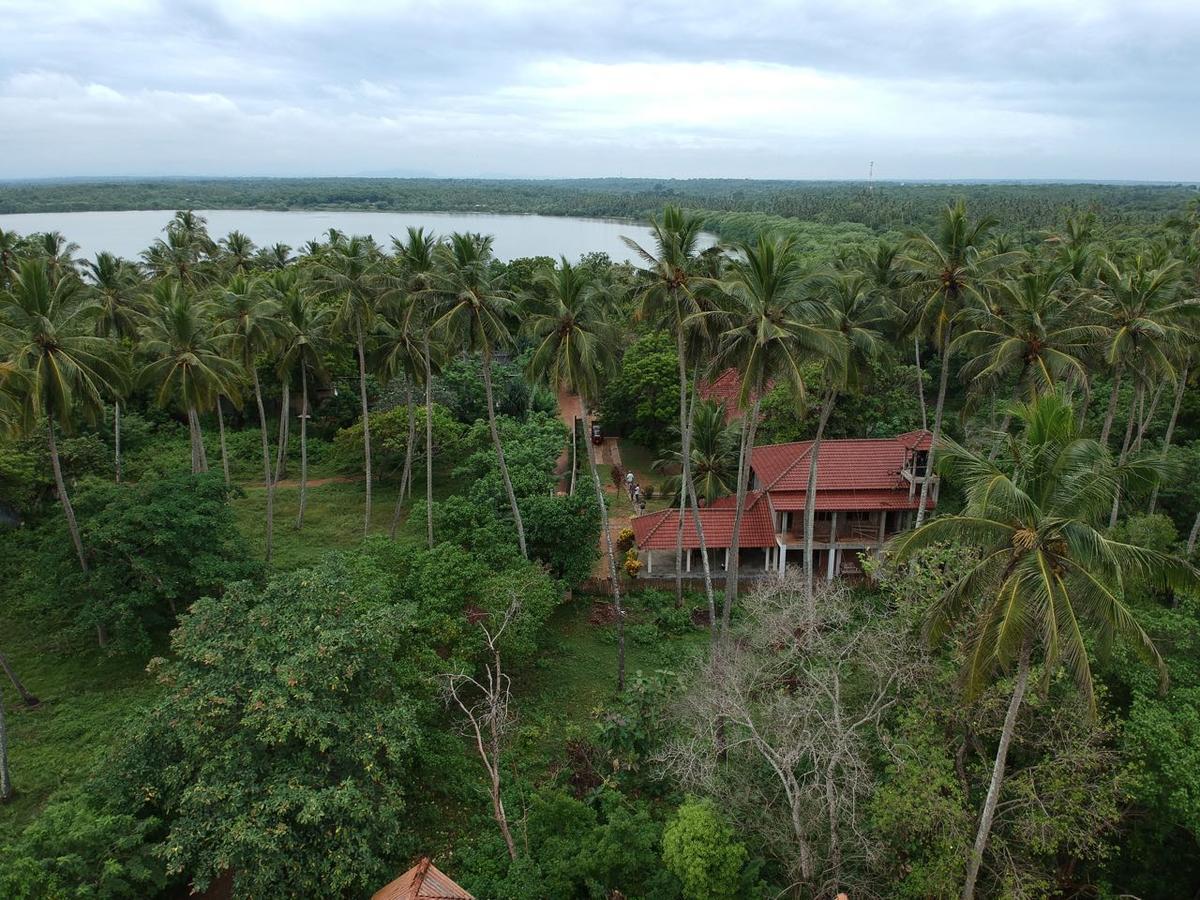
[[957, 89]]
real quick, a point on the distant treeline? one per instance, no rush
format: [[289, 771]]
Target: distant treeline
[[880, 207]]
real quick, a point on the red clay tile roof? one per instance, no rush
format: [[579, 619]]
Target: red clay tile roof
[[785, 501], [724, 389], [855, 464], [656, 531], [424, 881]]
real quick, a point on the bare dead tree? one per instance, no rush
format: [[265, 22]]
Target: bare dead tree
[[794, 703], [485, 702]]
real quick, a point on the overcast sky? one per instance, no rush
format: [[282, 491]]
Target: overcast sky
[[1071, 89]]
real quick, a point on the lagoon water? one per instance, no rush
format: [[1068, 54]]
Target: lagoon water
[[128, 233]]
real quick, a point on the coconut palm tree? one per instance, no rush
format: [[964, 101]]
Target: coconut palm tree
[[186, 367], [10, 243], [237, 251], [305, 340], [249, 325], [416, 259], [117, 288], [853, 307], [350, 272], [715, 441], [672, 279], [58, 366], [1045, 570], [574, 349], [769, 335], [58, 252], [475, 310], [948, 270]]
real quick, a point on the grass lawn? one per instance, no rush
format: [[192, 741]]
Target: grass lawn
[[85, 699], [333, 517]]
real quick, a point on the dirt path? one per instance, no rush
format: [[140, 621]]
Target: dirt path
[[312, 482]]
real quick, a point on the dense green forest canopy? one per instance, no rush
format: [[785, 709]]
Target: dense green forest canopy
[[310, 566], [883, 205]]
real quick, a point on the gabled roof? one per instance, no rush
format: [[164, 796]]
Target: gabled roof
[[656, 531], [724, 389], [424, 881], [854, 464]]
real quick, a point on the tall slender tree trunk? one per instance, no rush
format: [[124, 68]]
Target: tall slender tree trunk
[[1179, 389], [685, 438], [1086, 403], [920, 382], [1148, 418], [406, 474], [508, 488], [690, 487], [201, 451], [117, 438], [574, 452], [1138, 399], [6, 788], [366, 422], [1195, 533], [285, 406], [937, 428], [69, 511], [191, 420], [608, 549], [1113, 396], [26, 697], [428, 444], [268, 482], [303, 447], [810, 505], [411, 443], [993, 795], [735, 543], [221, 432]]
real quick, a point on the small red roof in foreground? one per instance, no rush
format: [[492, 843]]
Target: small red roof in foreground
[[656, 531], [424, 881]]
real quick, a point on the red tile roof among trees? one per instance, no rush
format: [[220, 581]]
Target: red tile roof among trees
[[724, 389], [656, 531], [424, 881]]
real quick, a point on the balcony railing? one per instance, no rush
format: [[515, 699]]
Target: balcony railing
[[823, 534]]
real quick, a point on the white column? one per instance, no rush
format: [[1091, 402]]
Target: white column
[[783, 560], [882, 526], [649, 562], [726, 559], [688, 558], [832, 551]]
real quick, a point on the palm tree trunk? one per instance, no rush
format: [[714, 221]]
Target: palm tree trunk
[[410, 446], [685, 438], [993, 794], [27, 698], [221, 431], [366, 423], [1179, 388], [608, 547], [303, 447], [406, 476], [1138, 398], [428, 445], [1148, 418], [1195, 533], [191, 420], [810, 506], [708, 585], [117, 438], [920, 381], [508, 488], [744, 470], [69, 512], [1087, 402], [574, 452], [268, 483], [282, 435], [1114, 394], [937, 427], [201, 451], [6, 788]]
